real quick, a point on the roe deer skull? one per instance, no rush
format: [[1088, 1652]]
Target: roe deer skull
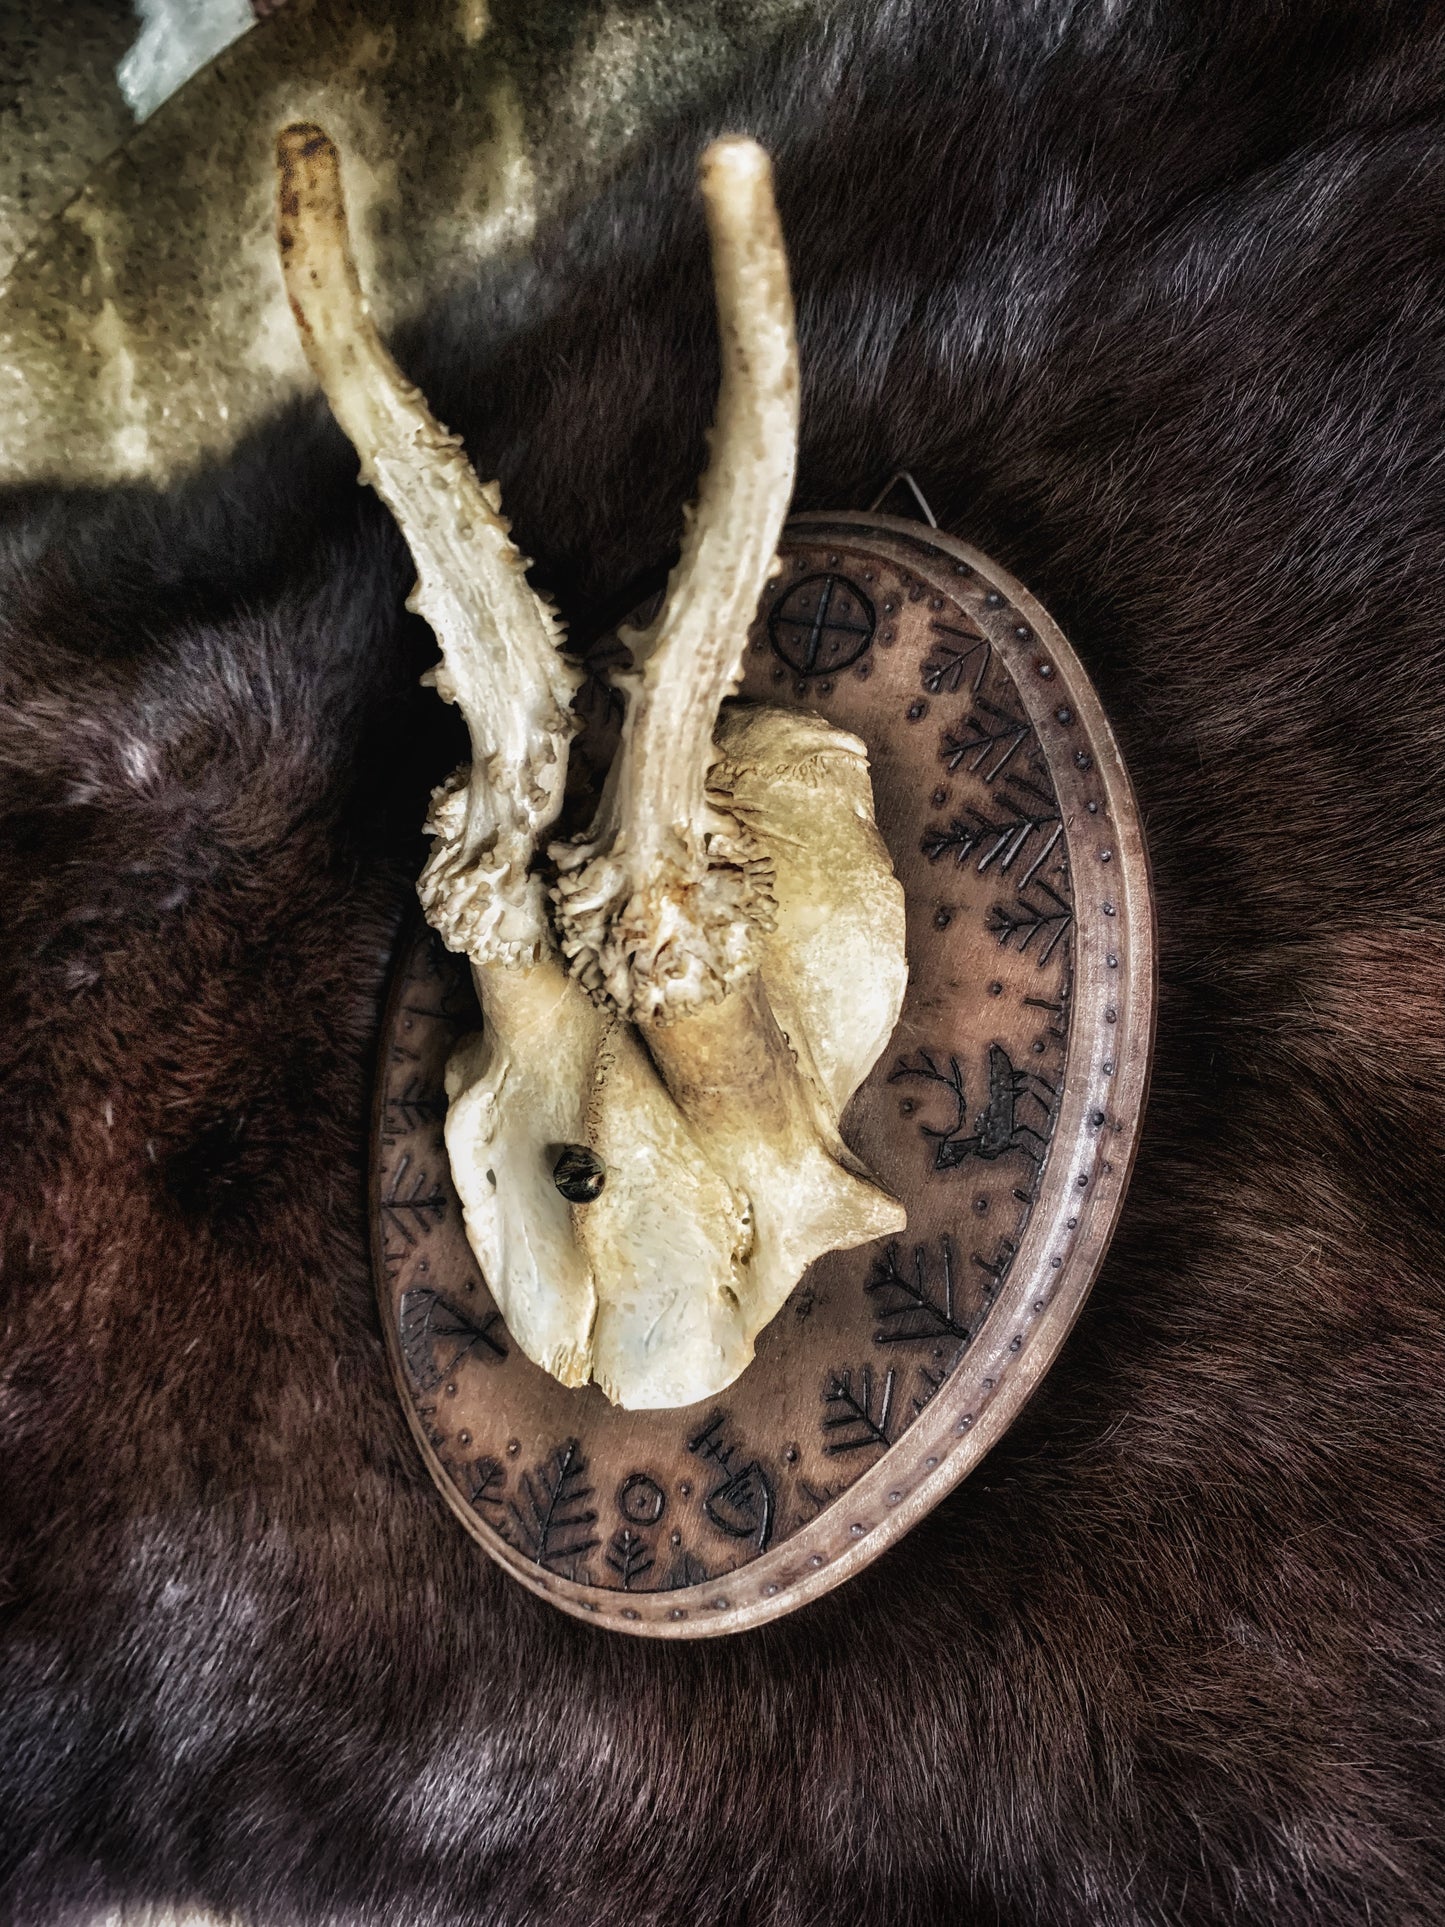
[[720, 960]]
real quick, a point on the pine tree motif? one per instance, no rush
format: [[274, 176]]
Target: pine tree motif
[[1050, 923], [916, 1313], [1001, 842], [629, 1556], [484, 1482], [436, 1336], [947, 666], [551, 1519], [412, 1205], [415, 1104], [987, 742], [856, 1418]]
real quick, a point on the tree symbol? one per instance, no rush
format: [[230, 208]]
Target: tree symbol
[[986, 742], [1000, 841], [629, 1556], [855, 1417], [433, 1330], [946, 666], [917, 1312], [1049, 923], [412, 1207], [553, 1521]]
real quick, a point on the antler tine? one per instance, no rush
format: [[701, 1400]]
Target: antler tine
[[691, 654], [500, 656], [654, 906]]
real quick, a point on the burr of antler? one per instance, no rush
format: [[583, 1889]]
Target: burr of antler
[[645, 1134]]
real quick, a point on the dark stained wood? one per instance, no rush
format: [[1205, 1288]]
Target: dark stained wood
[[1004, 1114]]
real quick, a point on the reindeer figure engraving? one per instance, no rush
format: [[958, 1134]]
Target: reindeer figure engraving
[[998, 1127]]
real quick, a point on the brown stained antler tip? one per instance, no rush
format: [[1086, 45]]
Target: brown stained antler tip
[[303, 140], [501, 662], [308, 170]]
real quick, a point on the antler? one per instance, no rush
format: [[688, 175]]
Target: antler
[[663, 903], [714, 1120], [499, 640]]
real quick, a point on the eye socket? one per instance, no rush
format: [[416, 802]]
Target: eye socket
[[579, 1174]]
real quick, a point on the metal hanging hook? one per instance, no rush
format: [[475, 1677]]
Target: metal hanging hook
[[902, 476]]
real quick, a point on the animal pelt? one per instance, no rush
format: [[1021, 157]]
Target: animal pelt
[[1151, 298]]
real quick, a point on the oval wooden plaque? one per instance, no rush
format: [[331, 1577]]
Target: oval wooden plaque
[[1004, 1114]]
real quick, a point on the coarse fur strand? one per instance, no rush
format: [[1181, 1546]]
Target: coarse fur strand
[[1151, 298]]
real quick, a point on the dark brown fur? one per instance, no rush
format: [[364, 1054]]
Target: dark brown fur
[[1152, 300]]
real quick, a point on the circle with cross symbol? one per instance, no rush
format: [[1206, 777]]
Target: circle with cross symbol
[[821, 624]]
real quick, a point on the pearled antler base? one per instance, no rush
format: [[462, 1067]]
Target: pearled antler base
[[1004, 1114]]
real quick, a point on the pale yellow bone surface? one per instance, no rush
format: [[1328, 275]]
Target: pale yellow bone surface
[[501, 658], [670, 1242], [762, 1097], [514, 1095], [663, 903], [727, 1175], [734, 929], [833, 961]]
